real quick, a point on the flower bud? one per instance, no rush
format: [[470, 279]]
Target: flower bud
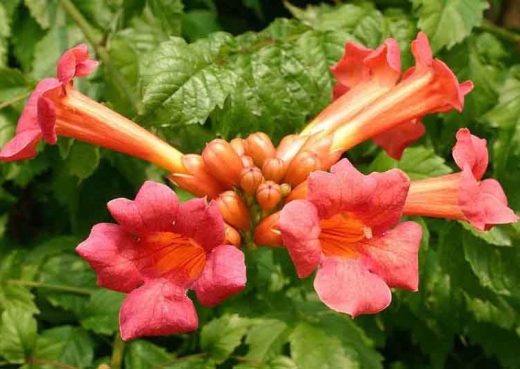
[[268, 195], [259, 146], [238, 145], [223, 162], [247, 161], [231, 237], [197, 180], [289, 147], [285, 188], [274, 169], [298, 193], [233, 210], [250, 179], [321, 145], [266, 233], [301, 166]]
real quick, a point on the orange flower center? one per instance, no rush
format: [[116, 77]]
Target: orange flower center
[[171, 254], [341, 234]]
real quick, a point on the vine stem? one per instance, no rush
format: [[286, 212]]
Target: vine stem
[[500, 32], [91, 34], [117, 352], [54, 287]]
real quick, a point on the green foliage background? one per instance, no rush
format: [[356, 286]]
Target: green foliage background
[[197, 69]]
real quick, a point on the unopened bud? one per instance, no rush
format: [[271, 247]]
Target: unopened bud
[[301, 166], [222, 162], [274, 169], [238, 145], [268, 195], [197, 180], [267, 233], [321, 146], [259, 146], [233, 210], [289, 147], [285, 188], [250, 179], [247, 161], [231, 236], [298, 193]]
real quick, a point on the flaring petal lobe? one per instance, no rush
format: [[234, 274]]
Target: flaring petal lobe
[[111, 252], [74, 62], [21, 146], [202, 222], [223, 276], [347, 286], [154, 209], [299, 225], [157, 308], [472, 151], [395, 140], [394, 255]]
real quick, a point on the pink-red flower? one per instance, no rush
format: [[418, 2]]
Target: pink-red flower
[[158, 250], [463, 195], [56, 108], [348, 228], [374, 101]]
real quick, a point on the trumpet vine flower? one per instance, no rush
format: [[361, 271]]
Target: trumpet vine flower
[[55, 108], [348, 228], [463, 195], [158, 250]]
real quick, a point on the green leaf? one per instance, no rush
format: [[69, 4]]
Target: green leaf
[[312, 347], [142, 354], [448, 22], [18, 333], [418, 162], [221, 336], [65, 345], [44, 11], [279, 362], [265, 339], [102, 312], [169, 14], [83, 159], [5, 31], [12, 84], [495, 236]]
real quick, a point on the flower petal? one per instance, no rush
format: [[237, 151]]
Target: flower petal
[[299, 225], [484, 204], [223, 276], [201, 221], [47, 119], [154, 209], [110, 251], [74, 62], [324, 191], [21, 146], [397, 139], [472, 151], [157, 308], [350, 70], [347, 286], [394, 255]]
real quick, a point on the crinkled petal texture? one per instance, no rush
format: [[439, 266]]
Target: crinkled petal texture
[[157, 308], [344, 229], [471, 151], [158, 251], [75, 62], [28, 131]]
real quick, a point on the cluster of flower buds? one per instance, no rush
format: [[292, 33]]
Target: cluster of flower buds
[[342, 223]]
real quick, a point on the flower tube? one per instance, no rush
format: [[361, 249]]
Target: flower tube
[[463, 195], [56, 108], [157, 251], [348, 228]]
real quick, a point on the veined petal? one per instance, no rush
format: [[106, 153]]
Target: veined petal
[[299, 225], [472, 151], [75, 63], [111, 252], [157, 308], [347, 286], [154, 209], [202, 222], [394, 255], [223, 276]]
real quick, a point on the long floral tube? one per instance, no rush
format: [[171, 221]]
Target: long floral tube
[[56, 108]]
